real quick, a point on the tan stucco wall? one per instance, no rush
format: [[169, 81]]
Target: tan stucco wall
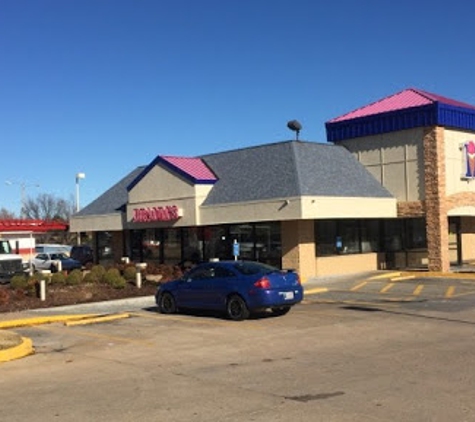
[[108, 222], [159, 184], [348, 264], [161, 188], [299, 208], [298, 247], [395, 159], [454, 162]]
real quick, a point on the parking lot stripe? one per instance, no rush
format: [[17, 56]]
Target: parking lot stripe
[[359, 286], [418, 290], [402, 278], [316, 290], [387, 288], [388, 275], [450, 292]]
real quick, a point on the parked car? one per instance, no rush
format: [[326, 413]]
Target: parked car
[[235, 287], [48, 261], [82, 253], [52, 248]]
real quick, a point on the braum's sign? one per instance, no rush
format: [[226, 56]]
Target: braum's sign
[[168, 213]]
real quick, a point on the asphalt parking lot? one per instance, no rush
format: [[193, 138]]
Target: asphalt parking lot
[[353, 352]]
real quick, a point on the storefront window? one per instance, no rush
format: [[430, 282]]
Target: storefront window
[[136, 252], [104, 245], [416, 233], [334, 237], [244, 235], [326, 237], [393, 235], [268, 244], [370, 235], [172, 246], [151, 244], [217, 244], [350, 237], [192, 246]]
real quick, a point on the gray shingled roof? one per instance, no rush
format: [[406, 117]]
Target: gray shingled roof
[[279, 170], [113, 200], [289, 169]]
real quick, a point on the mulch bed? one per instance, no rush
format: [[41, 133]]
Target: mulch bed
[[13, 300]]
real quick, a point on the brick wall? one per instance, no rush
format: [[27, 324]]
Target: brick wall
[[411, 209], [435, 200]]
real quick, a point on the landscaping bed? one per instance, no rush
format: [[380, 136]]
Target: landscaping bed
[[95, 285]]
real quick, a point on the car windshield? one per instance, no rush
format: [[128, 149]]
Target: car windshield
[[60, 256], [250, 268]]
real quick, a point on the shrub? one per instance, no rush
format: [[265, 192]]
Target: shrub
[[96, 274], [58, 278], [130, 273], [113, 278], [74, 278], [19, 282]]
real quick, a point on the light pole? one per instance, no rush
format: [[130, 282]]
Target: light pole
[[23, 187], [78, 177]]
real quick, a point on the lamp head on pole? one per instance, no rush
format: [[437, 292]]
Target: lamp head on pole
[[80, 176]]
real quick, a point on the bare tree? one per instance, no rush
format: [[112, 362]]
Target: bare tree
[[48, 207], [6, 214]]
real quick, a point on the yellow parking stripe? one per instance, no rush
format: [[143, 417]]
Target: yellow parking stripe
[[316, 290], [402, 278], [450, 292], [388, 275], [387, 287], [417, 291], [359, 286]]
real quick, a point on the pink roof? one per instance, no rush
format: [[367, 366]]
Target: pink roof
[[194, 167], [402, 100]]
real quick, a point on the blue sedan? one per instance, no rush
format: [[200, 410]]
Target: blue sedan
[[235, 287]]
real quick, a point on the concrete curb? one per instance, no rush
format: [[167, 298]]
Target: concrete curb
[[28, 322], [24, 347]]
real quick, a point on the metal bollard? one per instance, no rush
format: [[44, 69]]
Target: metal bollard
[[138, 275], [59, 265], [44, 274]]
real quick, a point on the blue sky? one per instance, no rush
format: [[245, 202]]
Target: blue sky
[[103, 86]]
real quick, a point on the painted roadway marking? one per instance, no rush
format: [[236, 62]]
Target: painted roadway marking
[[417, 291], [359, 286], [388, 275], [386, 288], [450, 292]]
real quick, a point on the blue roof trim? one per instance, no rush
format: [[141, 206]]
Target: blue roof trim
[[429, 115], [382, 123], [184, 174], [456, 117]]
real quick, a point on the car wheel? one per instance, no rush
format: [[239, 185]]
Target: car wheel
[[237, 309], [53, 269], [167, 304], [282, 310]]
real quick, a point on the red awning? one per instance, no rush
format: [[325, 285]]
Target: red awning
[[37, 226]]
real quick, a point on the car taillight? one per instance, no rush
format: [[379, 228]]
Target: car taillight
[[297, 279], [262, 283]]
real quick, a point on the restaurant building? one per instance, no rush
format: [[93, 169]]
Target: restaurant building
[[391, 189]]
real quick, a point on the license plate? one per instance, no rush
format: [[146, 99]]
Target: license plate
[[288, 295]]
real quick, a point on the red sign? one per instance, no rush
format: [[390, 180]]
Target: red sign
[[168, 213]]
